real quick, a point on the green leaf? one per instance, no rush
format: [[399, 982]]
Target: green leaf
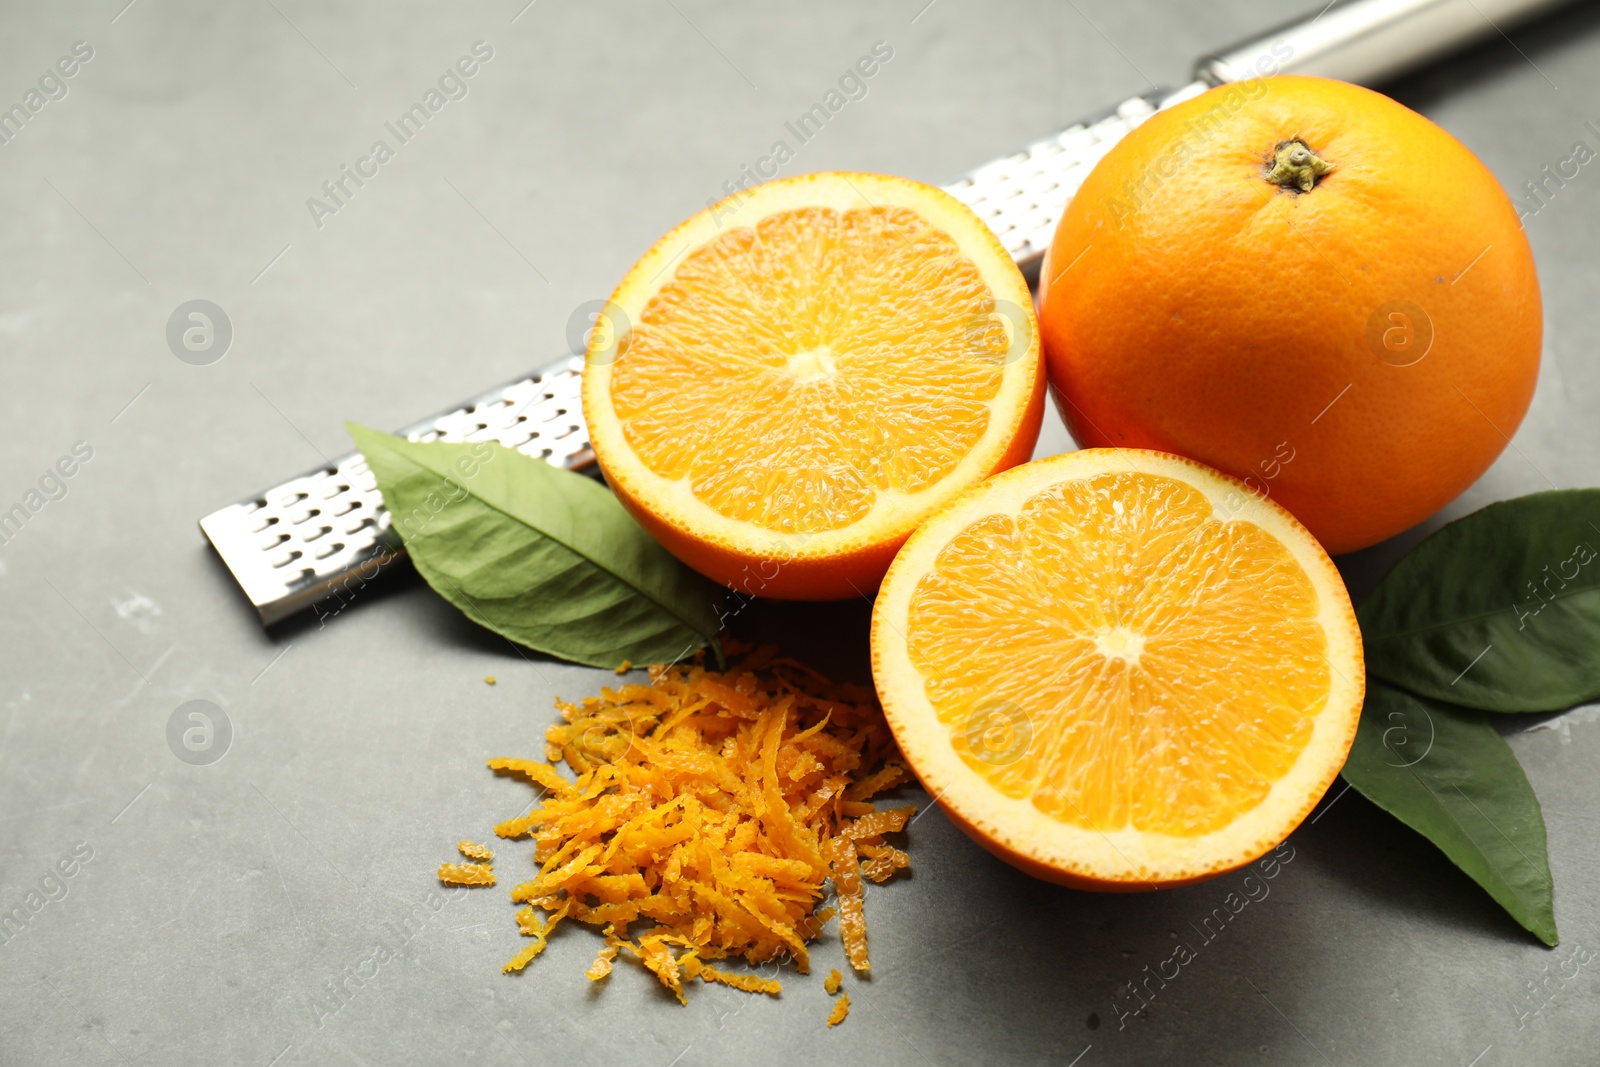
[[1499, 610], [545, 557], [1446, 773]]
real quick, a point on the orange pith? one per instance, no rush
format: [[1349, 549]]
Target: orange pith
[[1135, 605], [838, 347], [805, 372], [1119, 669]]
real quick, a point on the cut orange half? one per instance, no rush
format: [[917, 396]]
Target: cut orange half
[[792, 380], [1119, 669]]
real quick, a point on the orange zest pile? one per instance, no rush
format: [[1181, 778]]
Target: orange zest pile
[[708, 812]]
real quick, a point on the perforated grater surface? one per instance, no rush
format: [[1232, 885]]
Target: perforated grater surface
[[316, 539]]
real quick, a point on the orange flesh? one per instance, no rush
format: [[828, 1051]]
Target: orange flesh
[[1116, 613], [794, 372]]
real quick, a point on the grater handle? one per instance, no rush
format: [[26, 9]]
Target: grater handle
[[1368, 41]]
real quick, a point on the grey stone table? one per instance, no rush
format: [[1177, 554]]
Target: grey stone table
[[184, 912]]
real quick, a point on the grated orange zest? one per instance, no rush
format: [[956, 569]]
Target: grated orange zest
[[890, 776], [465, 874], [832, 982], [883, 861], [878, 823], [749, 983], [474, 851], [608, 952], [653, 952], [841, 1008], [532, 926], [845, 864], [710, 809], [533, 770]]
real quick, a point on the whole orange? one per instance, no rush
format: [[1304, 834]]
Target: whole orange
[[1304, 284]]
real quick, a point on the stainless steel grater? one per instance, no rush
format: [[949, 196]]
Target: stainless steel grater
[[316, 539]]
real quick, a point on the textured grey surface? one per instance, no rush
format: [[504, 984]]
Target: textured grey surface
[[221, 900]]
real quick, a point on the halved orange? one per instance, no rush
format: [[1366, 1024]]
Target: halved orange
[[1119, 669], [796, 377]]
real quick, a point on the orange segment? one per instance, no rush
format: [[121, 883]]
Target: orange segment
[[794, 378], [1119, 667]]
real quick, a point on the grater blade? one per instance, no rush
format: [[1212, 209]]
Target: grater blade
[[315, 540], [1021, 196]]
